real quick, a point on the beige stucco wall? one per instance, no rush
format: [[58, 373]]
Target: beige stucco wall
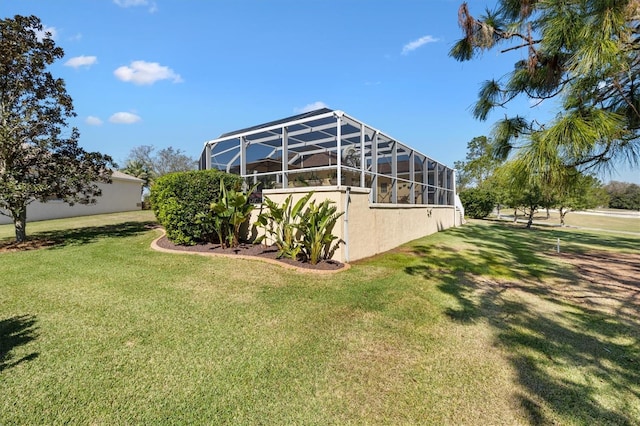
[[370, 229], [122, 195]]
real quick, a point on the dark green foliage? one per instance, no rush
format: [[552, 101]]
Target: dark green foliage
[[182, 200], [40, 157], [623, 195], [478, 203]]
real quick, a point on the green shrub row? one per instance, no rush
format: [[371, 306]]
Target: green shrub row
[[180, 199], [208, 206], [478, 203]]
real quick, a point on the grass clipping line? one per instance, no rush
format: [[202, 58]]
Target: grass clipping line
[[155, 246]]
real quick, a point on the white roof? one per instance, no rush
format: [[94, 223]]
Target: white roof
[[123, 176]]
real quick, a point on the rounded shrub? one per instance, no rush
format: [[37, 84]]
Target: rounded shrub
[[182, 200], [478, 203]]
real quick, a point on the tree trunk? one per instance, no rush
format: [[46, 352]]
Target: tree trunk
[[515, 215], [530, 221], [20, 223], [548, 214], [563, 213]]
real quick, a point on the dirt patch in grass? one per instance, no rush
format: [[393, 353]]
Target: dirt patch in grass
[[620, 271], [608, 280], [605, 282], [252, 250], [35, 244]]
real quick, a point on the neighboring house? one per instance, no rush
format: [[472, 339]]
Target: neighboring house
[[122, 195]]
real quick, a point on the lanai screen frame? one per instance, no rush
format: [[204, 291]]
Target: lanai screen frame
[[275, 152]]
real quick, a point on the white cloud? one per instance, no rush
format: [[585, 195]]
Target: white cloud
[[413, 45], [81, 61], [76, 37], [310, 107], [40, 34], [93, 121], [141, 72], [130, 3], [153, 7], [124, 118]]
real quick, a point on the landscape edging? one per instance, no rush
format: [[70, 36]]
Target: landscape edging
[[155, 246]]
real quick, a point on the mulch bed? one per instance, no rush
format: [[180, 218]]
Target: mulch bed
[[248, 249]]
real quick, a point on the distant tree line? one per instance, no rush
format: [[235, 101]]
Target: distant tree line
[[486, 184], [145, 163], [623, 195]]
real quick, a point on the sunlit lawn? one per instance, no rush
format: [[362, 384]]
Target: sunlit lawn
[[614, 222], [474, 325]]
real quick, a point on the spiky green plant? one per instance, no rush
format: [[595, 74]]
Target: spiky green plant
[[280, 224], [230, 212], [316, 226]]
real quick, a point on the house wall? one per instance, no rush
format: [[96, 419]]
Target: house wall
[[370, 229], [122, 195]]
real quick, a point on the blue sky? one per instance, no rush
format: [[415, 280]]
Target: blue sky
[[178, 73]]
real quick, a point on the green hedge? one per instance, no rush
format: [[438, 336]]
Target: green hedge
[[478, 203], [177, 199]]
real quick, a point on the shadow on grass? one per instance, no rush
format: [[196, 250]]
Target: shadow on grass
[[78, 236], [16, 331], [568, 355]]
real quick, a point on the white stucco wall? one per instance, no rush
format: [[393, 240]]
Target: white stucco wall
[[370, 229], [122, 195]]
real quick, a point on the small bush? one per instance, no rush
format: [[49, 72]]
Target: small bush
[[478, 203], [180, 199]]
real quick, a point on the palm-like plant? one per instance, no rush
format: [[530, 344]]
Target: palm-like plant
[[141, 170], [280, 224], [304, 234], [316, 225], [229, 213]]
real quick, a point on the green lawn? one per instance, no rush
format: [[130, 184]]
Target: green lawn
[[481, 324], [578, 219]]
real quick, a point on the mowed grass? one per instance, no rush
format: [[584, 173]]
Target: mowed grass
[[474, 325], [617, 221]]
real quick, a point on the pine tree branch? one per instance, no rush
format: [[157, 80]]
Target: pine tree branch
[[520, 46]]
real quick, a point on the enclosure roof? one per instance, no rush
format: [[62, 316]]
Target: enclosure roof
[[312, 132], [280, 121]]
